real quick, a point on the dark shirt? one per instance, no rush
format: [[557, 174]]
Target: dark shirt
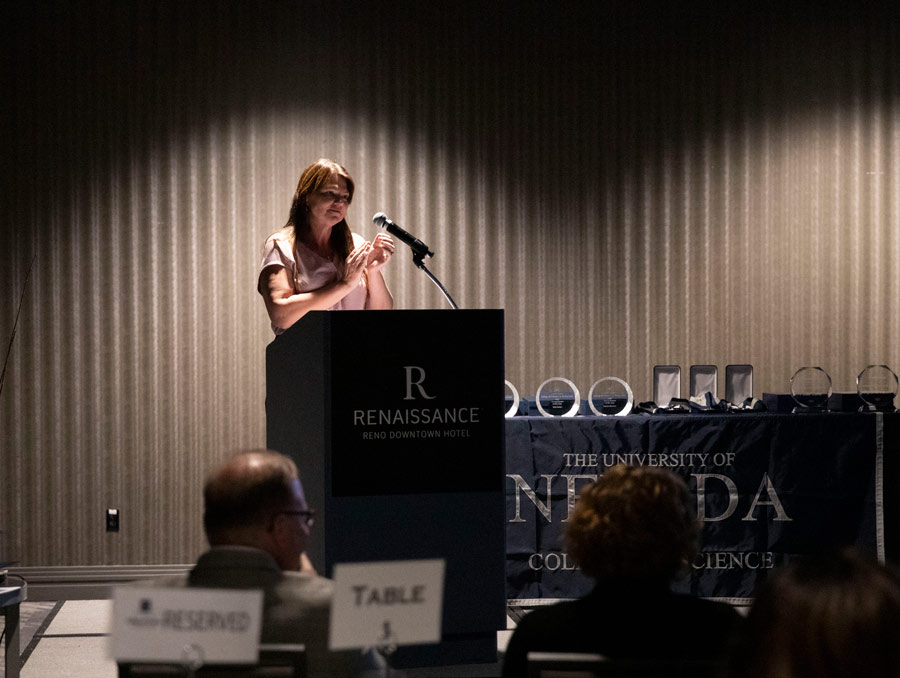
[[625, 620], [296, 606]]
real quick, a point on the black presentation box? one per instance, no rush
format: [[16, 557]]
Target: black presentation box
[[784, 403]]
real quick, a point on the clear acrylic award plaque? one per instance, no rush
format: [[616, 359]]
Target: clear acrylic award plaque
[[558, 397], [877, 386], [512, 400], [811, 388], [610, 397]]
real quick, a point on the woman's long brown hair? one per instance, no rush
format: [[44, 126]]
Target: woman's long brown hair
[[312, 180]]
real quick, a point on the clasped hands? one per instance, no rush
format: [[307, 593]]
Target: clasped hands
[[370, 256]]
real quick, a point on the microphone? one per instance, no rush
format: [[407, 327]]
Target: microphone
[[419, 248]]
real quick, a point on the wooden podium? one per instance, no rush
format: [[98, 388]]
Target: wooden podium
[[395, 420]]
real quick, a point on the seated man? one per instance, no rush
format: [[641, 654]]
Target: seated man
[[257, 524], [632, 532]]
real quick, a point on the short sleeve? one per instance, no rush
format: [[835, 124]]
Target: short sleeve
[[275, 254]]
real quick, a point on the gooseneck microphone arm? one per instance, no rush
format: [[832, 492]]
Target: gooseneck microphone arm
[[417, 259], [420, 250]]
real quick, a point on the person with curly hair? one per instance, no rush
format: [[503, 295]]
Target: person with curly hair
[[633, 532], [829, 616]]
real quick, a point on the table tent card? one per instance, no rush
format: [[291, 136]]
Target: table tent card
[[186, 625], [387, 603]]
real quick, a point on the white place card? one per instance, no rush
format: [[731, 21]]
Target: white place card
[[387, 603], [209, 626]]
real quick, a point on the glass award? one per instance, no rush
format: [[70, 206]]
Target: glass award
[[811, 388], [512, 400], [877, 386], [610, 397], [558, 397]]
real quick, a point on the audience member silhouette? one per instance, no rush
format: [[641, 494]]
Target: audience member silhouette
[[257, 523], [831, 616], [633, 532]]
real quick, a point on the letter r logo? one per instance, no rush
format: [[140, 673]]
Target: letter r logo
[[414, 377]]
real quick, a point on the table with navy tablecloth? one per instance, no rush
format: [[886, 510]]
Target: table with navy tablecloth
[[770, 488]]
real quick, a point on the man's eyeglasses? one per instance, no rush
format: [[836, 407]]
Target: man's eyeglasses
[[309, 516]]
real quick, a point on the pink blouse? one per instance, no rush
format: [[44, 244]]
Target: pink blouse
[[308, 271]]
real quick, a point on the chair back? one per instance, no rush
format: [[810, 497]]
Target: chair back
[[584, 665]]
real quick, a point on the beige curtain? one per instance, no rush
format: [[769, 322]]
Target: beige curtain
[[634, 185]]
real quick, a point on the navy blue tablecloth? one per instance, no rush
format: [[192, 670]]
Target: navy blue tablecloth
[[770, 488]]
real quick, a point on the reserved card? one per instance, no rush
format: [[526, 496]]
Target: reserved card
[[189, 625], [387, 603]]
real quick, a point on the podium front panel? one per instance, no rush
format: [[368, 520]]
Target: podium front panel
[[416, 403], [396, 422]]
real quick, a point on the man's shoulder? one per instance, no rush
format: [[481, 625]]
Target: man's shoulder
[[308, 582], [306, 587]]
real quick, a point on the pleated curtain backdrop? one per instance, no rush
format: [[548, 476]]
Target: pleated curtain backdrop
[[634, 184]]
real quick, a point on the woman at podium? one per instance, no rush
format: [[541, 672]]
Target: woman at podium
[[315, 263]]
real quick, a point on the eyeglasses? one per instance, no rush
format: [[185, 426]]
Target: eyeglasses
[[335, 197], [309, 516]]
